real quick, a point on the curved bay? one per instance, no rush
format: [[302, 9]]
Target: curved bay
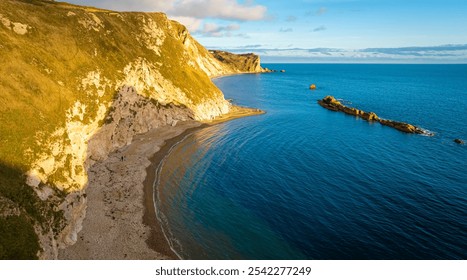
[[301, 182]]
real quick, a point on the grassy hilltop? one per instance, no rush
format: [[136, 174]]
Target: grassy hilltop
[[61, 67]]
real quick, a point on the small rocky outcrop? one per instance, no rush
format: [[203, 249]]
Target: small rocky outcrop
[[313, 87], [331, 103], [267, 70], [459, 141]]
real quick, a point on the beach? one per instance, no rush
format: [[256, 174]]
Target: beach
[[121, 222]]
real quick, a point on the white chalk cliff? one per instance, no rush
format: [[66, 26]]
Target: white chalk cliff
[[83, 82]]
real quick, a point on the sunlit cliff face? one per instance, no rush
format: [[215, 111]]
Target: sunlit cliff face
[[80, 83], [62, 161]]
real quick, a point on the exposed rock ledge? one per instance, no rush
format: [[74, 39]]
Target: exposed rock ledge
[[331, 103]]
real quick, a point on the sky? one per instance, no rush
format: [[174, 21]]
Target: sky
[[366, 31]]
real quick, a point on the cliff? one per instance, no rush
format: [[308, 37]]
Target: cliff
[[331, 103], [249, 63], [79, 83]]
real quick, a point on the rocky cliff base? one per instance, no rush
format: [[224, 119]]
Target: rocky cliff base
[[113, 227]]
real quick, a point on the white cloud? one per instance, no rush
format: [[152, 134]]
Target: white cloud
[[192, 13], [193, 24], [321, 11], [285, 30], [220, 9], [214, 30], [128, 5], [430, 54], [319, 28]]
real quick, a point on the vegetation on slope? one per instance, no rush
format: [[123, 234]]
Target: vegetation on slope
[[42, 69], [20, 210]]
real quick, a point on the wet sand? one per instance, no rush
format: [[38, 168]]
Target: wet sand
[[121, 221], [157, 240]]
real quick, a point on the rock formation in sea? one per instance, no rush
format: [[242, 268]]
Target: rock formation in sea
[[81, 82], [331, 103]]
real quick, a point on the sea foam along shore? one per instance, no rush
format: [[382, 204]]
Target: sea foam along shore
[[121, 221]]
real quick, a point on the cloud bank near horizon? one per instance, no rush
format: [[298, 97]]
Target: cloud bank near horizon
[[429, 54]]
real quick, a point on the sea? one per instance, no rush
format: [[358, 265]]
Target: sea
[[303, 182]]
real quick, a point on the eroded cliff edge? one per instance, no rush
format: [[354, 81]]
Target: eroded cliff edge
[[79, 83]]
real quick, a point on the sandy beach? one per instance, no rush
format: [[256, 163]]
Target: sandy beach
[[120, 221]]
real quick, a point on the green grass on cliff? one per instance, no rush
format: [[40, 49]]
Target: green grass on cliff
[[18, 241], [58, 50], [17, 236]]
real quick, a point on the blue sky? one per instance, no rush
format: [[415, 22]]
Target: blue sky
[[414, 31]]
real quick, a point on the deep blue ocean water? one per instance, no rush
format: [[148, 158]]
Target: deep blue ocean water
[[302, 182]]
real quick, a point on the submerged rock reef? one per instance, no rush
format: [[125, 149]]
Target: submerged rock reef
[[331, 103]]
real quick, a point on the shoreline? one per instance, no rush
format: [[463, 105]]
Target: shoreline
[[121, 220], [158, 240], [239, 73]]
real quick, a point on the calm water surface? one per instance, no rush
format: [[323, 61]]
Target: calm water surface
[[302, 182]]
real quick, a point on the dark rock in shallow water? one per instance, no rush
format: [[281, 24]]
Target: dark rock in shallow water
[[459, 141], [331, 103]]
